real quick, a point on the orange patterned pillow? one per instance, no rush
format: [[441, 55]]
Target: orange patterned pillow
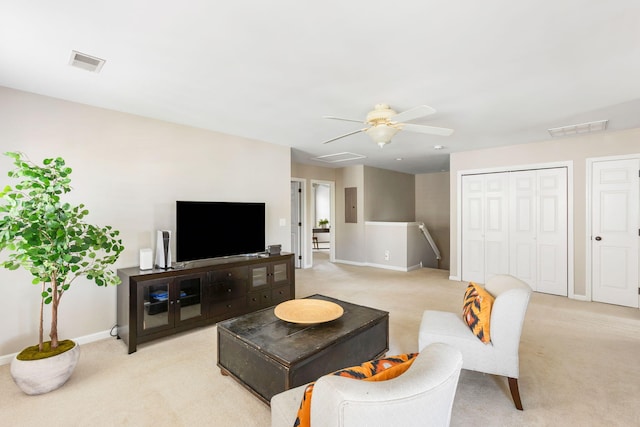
[[476, 311], [373, 370]]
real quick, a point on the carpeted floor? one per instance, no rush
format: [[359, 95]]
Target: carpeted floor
[[579, 365]]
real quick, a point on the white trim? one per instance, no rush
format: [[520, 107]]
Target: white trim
[[86, 339], [6, 359], [588, 280], [382, 266], [455, 278], [303, 219], [517, 168], [392, 267], [571, 288], [332, 229], [391, 224], [344, 261], [570, 215]]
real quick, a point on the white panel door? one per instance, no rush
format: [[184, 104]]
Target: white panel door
[[523, 226], [473, 228], [485, 235], [615, 224], [538, 229], [552, 244], [496, 228]]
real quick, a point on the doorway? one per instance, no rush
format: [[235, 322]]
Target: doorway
[[322, 218], [613, 243]]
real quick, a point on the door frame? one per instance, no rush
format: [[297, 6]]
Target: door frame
[[303, 219], [332, 231], [588, 285], [570, 216]]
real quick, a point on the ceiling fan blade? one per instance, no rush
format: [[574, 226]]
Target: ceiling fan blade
[[432, 130], [343, 119], [413, 113], [342, 136]]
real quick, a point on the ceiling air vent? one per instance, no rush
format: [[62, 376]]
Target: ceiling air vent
[[86, 62], [597, 126], [339, 157]]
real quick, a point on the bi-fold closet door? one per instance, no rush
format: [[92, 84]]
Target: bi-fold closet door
[[515, 223]]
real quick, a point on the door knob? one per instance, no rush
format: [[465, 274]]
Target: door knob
[[598, 238]]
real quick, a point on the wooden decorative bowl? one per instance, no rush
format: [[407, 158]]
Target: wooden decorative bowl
[[308, 311]]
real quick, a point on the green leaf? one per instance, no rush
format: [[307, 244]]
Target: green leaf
[[46, 235]]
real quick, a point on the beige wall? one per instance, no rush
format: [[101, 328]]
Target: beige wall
[[350, 237], [383, 195], [571, 149], [310, 172], [432, 208], [128, 171], [388, 195]]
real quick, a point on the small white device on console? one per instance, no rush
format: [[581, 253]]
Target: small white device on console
[[146, 259], [274, 250], [163, 250]]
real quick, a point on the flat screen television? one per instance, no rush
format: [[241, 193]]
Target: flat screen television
[[218, 229]]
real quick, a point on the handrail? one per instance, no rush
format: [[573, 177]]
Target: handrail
[[427, 236]]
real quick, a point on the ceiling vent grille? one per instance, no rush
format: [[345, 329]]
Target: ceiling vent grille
[[339, 157], [86, 62], [578, 129]]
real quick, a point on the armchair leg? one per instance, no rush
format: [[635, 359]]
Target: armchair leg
[[515, 394]]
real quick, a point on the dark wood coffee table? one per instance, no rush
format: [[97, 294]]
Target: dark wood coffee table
[[268, 355]]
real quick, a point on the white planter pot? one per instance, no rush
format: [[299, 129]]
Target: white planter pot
[[44, 375]]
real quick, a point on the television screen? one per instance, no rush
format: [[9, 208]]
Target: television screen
[[218, 229]]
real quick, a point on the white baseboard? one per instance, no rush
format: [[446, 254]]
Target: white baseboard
[[579, 297], [383, 266], [359, 264], [456, 278], [386, 267], [7, 358]]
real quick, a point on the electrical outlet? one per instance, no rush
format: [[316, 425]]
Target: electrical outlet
[[386, 255]]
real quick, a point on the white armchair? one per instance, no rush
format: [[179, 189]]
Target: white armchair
[[422, 396], [498, 357]]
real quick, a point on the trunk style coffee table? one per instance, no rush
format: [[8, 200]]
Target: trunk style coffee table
[[268, 355]]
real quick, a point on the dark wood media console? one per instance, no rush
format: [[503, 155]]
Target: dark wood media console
[[156, 303]]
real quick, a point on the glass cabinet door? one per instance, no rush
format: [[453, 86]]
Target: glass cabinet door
[[154, 312], [270, 274], [259, 276], [189, 297], [280, 273]]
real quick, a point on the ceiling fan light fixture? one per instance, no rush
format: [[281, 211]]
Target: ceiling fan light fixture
[[381, 134], [384, 123]]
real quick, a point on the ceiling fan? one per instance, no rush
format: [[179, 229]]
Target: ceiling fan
[[384, 123]]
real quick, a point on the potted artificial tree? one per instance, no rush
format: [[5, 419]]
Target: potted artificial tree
[[49, 238]]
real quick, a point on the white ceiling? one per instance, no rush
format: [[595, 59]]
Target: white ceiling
[[498, 72]]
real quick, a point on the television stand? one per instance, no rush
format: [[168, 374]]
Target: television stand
[[157, 303]]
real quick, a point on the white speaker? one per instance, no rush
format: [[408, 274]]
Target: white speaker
[[146, 259], [163, 250]]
